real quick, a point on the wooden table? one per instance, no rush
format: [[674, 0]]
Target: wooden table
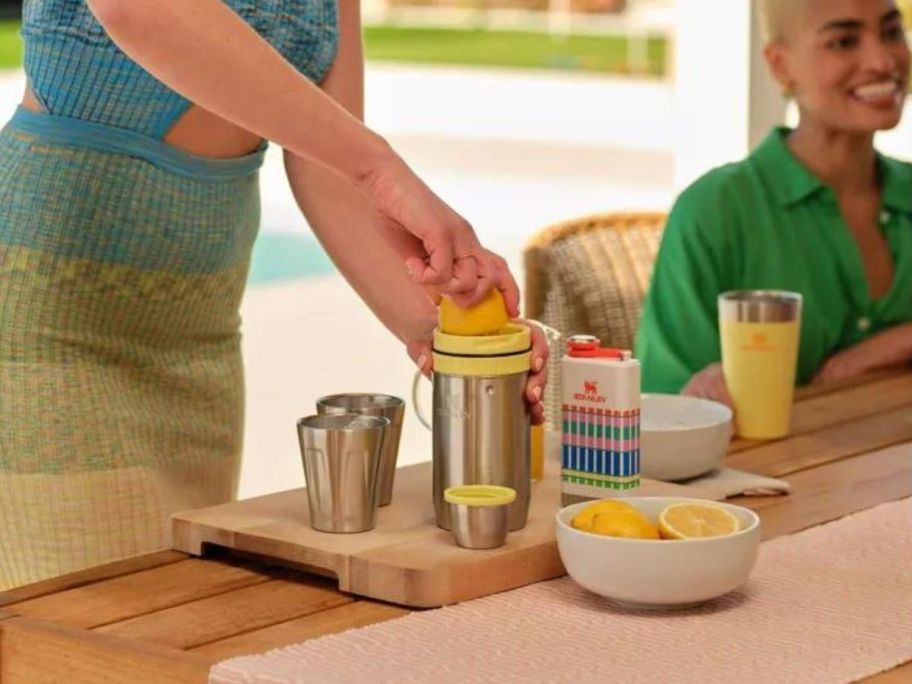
[[168, 617]]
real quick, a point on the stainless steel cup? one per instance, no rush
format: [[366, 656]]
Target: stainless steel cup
[[381, 405], [479, 515], [341, 456]]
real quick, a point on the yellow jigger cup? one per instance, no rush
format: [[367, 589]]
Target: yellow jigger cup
[[760, 330]]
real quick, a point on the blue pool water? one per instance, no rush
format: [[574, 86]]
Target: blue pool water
[[280, 257]]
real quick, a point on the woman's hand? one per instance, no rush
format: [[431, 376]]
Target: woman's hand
[[889, 348], [420, 351], [709, 383], [438, 245]]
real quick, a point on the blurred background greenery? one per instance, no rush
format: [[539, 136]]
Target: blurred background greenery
[[576, 35]]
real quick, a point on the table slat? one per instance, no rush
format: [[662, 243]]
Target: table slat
[[833, 409], [349, 616], [225, 615], [90, 575], [830, 492], [835, 443], [140, 593], [36, 652], [847, 385]]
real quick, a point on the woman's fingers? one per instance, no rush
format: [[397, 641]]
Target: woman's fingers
[[504, 281], [537, 413], [437, 268], [451, 257], [420, 353], [540, 349], [538, 375]]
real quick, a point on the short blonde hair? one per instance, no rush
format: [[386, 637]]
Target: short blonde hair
[[773, 14]]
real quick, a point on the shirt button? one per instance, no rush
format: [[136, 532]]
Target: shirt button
[[885, 216], [864, 324]]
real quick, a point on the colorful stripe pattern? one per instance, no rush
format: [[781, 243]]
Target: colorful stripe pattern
[[600, 447]]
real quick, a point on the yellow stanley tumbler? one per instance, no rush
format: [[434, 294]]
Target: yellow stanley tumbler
[[759, 332]]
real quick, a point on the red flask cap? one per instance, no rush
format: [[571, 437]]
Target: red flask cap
[[589, 347]]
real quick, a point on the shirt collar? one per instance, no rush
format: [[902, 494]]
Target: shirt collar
[[791, 182], [787, 177]]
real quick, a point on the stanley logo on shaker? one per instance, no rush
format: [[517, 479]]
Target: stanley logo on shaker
[[590, 393], [448, 408]]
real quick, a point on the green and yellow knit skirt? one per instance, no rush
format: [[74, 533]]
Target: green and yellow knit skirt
[[121, 381]]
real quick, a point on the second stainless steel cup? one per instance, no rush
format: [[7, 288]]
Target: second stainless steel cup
[[341, 457], [380, 405]]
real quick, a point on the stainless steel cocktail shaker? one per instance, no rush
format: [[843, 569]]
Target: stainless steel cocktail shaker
[[481, 419]]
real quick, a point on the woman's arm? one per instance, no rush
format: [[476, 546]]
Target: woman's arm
[[343, 219], [678, 338], [352, 232], [207, 53], [892, 347]]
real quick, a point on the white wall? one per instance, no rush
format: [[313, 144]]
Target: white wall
[[725, 101]]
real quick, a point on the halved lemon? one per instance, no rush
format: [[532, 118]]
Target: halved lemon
[[696, 521], [583, 519], [629, 524], [485, 318]]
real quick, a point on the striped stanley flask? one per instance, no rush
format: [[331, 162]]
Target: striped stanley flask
[[601, 421]]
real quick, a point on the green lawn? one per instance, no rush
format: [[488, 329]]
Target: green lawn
[[455, 46], [508, 49], [10, 45]]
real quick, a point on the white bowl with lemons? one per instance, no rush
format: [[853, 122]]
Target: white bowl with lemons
[[639, 568]]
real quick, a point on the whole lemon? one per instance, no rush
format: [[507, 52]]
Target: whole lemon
[[583, 519], [486, 317], [627, 524]]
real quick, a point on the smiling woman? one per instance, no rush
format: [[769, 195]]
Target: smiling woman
[[814, 210]]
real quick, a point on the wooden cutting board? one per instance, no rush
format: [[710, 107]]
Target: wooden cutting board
[[406, 559]]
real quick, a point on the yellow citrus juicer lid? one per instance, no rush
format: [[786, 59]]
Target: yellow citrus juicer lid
[[506, 352]]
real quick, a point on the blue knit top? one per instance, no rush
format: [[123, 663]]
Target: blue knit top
[[76, 71]]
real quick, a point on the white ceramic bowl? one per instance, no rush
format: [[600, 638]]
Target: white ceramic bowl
[[682, 437], [659, 574]]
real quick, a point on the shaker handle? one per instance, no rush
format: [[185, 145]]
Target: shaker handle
[[421, 417], [552, 335]]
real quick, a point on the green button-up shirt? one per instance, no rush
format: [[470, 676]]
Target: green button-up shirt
[[768, 223]]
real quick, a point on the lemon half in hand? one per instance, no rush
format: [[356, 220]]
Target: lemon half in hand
[[485, 318], [696, 521], [583, 519]]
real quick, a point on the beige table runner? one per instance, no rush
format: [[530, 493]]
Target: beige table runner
[[831, 604]]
